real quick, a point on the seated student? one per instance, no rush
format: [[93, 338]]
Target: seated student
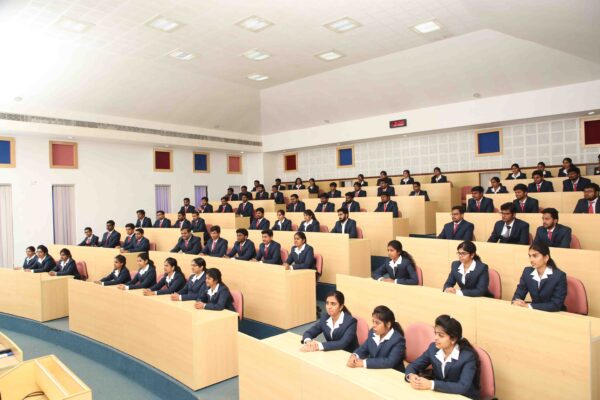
[[312, 186], [196, 284], [350, 204], [298, 185], [205, 206], [279, 185], [244, 190], [301, 255], [385, 188], [399, 266], [551, 232], [129, 237], [406, 178], [261, 194], [259, 223], [142, 221], [360, 179], [510, 229], [187, 243], [182, 222], [269, 251], [469, 272], [478, 202], [385, 346], [418, 192], [111, 238], [256, 185], [161, 221], [333, 192], [566, 164], [187, 207], [516, 172], [245, 208], [458, 229], [243, 248], [216, 297], [90, 239], [140, 243], [282, 223], [387, 205], [216, 246], [575, 183], [589, 204], [597, 169], [230, 196], [338, 327], [310, 223], [523, 203], [541, 166], [383, 176], [224, 207], [345, 224], [539, 184], [120, 274], [276, 195], [358, 192], [438, 177], [496, 187], [325, 205], [172, 281], [45, 262], [146, 275], [543, 281], [198, 225], [66, 265], [295, 204], [453, 360], [30, 258]]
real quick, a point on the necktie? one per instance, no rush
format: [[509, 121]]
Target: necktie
[[186, 243], [507, 231], [243, 204], [455, 229], [522, 206], [385, 207], [538, 186], [295, 207], [478, 209], [88, 241], [266, 250], [160, 224], [549, 236], [574, 187], [214, 245], [591, 207]]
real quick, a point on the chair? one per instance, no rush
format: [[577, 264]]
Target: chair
[[152, 246], [82, 269], [575, 243], [208, 226], [295, 227], [487, 383], [319, 264], [362, 330], [132, 273], [234, 211], [419, 275], [418, 338], [576, 300], [495, 285], [284, 254], [464, 191], [323, 229], [359, 233], [159, 276], [363, 209], [238, 303]]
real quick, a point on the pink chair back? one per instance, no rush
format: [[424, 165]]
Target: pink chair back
[[159, 275], [463, 193], [234, 211], [576, 300], [359, 233], [487, 382], [495, 284], [152, 246], [319, 264], [238, 302], [82, 269], [362, 330], [575, 243], [418, 338], [208, 226], [363, 209], [284, 254], [295, 227], [323, 228], [132, 273], [419, 275]]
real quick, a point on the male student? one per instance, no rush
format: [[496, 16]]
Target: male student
[[243, 248], [245, 208], [161, 221], [358, 192], [458, 229], [325, 205], [230, 196], [387, 205], [282, 223], [384, 187], [90, 240], [187, 243], [523, 203], [205, 206], [510, 229], [576, 182], [279, 185], [277, 195], [142, 221], [139, 244], [244, 190], [478, 202], [360, 179], [269, 251], [345, 224], [216, 246], [539, 184], [438, 177], [259, 222], [516, 172], [224, 207], [197, 224], [541, 166], [187, 207], [350, 204], [181, 221], [589, 204], [418, 192], [333, 192], [260, 193], [129, 236], [256, 185], [295, 204], [551, 232], [111, 238]]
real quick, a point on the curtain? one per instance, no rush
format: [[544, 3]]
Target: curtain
[[163, 198], [63, 207], [199, 193], [6, 227]]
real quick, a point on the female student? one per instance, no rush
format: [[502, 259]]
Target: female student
[[545, 283], [385, 345], [496, 186], [30, 258], [119, 275], [438, 177], [338, 327], [383, 176], [301, 255], [310, 223], [172, 281], [399, 266], [146, 275], [312, 186], [454, 362], [298, 185], [406, 178], [217, 296], [195, 285], [471, 275], [66, 265], [566, 163], [45, 262]]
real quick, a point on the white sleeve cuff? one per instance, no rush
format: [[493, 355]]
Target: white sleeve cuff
[[180, 298], [365, 364], [321, 346], [432, 385], [126, 287], [380, 278], [459, 292], [307, 340], [529, 305], [102, 283], [292, 267]]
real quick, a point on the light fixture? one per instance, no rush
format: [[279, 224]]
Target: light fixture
[[477, 95], [256, 55], [18, 99], [70, 137], [254, 24], [164, 24], [330, 55], [241, 152], [182, 55], [591, 113], [257, 77], [73, 25], [342, 25], [166, 145], [427, 27]]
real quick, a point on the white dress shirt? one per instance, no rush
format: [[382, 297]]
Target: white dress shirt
[[440, 355], [463, 272], [332, 327], [141, 272], [378, 340], [394, 265]]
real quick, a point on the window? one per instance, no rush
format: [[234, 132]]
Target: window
[[63, 213], [7, 152], [199, 193], [163, 198]]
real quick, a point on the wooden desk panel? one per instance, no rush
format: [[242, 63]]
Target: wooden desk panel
[[562, 201], [556, 182], [444, 194], [99, 261], [224, 220], [268, 205], [164, 238], [302, 194]]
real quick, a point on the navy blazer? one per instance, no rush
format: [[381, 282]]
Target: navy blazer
[[443, 179], [166, 223], [205, 209], [531, 205], [300, 207], [232, 197], [351, 207], [69, 269], [225, 208], [387, 179], [501, 190], [113, 241], [313, 189], [192, 289], [325, 207], [561, 236], [193, 246], [198, 225], [219, 301], [349, 228], [390, 191], [278, 197], [545, 174], [421, 193], [142, 245], [582, 206], [315, 226], [272, 256], [519, 234], [246, 253], [389, 354], [187, 210], [143, 281], [31, 263], [463, 232], [293, 187], [304, 260], [220, 248], [409, 181], [93, 241], [145, 223], [163, 287], [551, 294], [562, 172], [46, 266], [476, 282], [343, 338], [182, 224], [486, 205], [568, 185], [247, 210], [261, 196], [545, 186], [360, 193], [459, 375], [392, 207], [261, 226], [404, 274], [123, 278], [286, 225], [249, 194], [334, 194], [520, 176]]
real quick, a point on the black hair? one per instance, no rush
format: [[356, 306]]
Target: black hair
[[567, 159], [298, 179], [592, 186], [215, 274], [121, 259], [260, 209], [543, 164], [146, 257], [324, 195], [245, 195], [195, 213], [398, 247], [186, 198], [66, 252], [508, 207], [274, 187], [478, 189], [110, 222], [225, 198], [199, 261], [573, 168], [515, 165], [356, 183], [537, 172], [544, 250], [130, 225], [470, 248], [459, 208], [277, 179], [243, 231], [333, 184], [267, 232], [204, 198], [30, 248], [185, 228], [87, 228], [309, 213], [228, 189], [43, 249], [495, 179], [383, 173], [244, 187], [385, 315], [282, 211], [261, 186], [343, 210], [181, 213], [407, 171], [301, 235], [362, 176], [141, 212], [351, 194], [437, 169], [311, 179], [552, 211], [173, 263], [160, 212], [140, 230], [520, 186], [417, 183], [294, 196], [339, 297], [215, 228]]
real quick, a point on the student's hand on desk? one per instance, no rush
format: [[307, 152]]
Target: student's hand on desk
[[352, 361], [121, 287], [199, 305], [286, 266], [387, 280], [420, 383], [175, 297], [252, 260], [313, 345], [450, 290], [17, 268], [123, 251], [226, 256], [148, 292], [520, 303], [52, 273], [97, 282]]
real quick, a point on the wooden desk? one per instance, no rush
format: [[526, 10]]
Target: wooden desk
[[164, 238], [99, 261], [444, 194], [275, 368], [224, 220], [268, 205], [556, 182], [562, 201], [272, 295], [40, 297], [302, 194], [11, 361], [196, 347]]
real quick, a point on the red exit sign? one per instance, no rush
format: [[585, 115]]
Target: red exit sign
[[399, 123]]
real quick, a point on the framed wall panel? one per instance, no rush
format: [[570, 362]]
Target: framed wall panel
[[345, 156], [201, 162], [488, 142], [234, 164], [7, 152], [63, 155], [163, 160]]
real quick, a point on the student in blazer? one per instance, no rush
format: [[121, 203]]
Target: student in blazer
[[111, 238], [301, 255], [516, 173], [385, 188], [282, 223], [510, 229], [187, 243], [269, 251], [539, 184], [312, 186], [244, 190], [453, 361], [406, 178], [469, 272], [295, 204], [261, 194], [217, 296], [90, 240], [358, 192], [243, 248], [187, 207], [172, 281], [541, 166], [543, 281], [360, 179], [279, 185], [145, 277], [345, 224], [589, 204], [139, 244], [276, 195], [197, 224], [496, 187], [524, 203], [30, 259], [298, 184], [551, 232], [566, 164], [66, 266], [325, 205], [385, 346], [333, 192], [161, 221], [142, 221], [575, 183], [418, 192], [230, 196], [338, 327], [216, 246], [387, 205], [195, 285], [45, 262], [310, 223], [181, 222], [438, 177], [399, 266], [383, 176], [245, 208], [224, 207], [119, 275], [259, 223], [205, 206], [478, 202], [129, 237], [459, 228], [350, 204]]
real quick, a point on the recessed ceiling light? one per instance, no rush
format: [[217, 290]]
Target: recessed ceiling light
[[342, 25], [164, 24], [241, 152], [257, 77], [73, 25], [477, 95], [18, 99], [256, 55], [166, 145], [254, 24], [591, 113], [330, 55], [427, 27], [182, 55]]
